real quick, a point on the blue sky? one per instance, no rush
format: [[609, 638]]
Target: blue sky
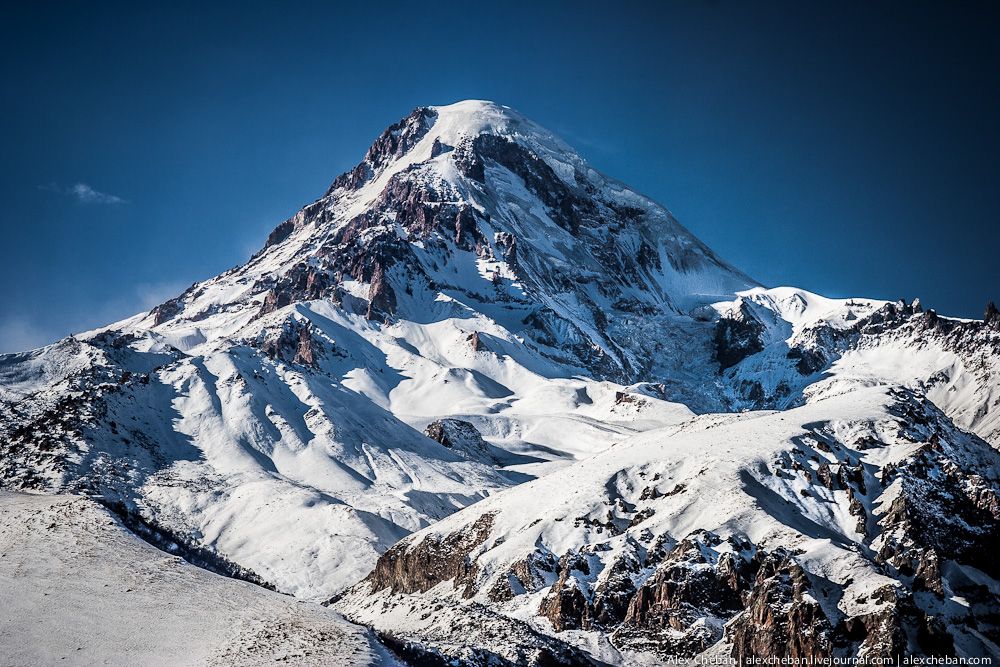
[[849, 149]]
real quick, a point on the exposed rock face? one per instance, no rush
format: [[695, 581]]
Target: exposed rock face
[[394, 142], [782, 618], [566, 208], [880, 634], [680, 609], [461, 437], [566, 606], [165, 311], [808, 360], [522, 646], [381, 297], [46, 441], [280, 233], [992, 316], [417, 568], [942, 510], [966, 351], [295, 342], [737, 336]]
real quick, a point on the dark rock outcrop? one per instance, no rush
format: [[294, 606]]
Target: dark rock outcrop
[[566, 606], [680, 609], [566, 208], [782, 618], [460, 436], [394, 142], [992, 316], [294, 343], [415, 568], [943, 510], [881, 633], [381, 297], [738, 334], [166, 311]]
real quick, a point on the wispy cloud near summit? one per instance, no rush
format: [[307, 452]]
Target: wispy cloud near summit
[[84, 194], [88, 195]]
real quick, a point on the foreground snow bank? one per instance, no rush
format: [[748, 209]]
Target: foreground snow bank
[[80, 589]]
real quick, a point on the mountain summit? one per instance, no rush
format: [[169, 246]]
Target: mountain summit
[[699, 461], [475, 203]]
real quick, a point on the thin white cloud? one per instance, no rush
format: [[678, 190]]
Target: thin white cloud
[[18, 334], [84, 194], [153, 294], [88, 195]]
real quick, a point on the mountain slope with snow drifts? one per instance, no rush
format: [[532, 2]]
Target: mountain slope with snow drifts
[[781, 347], [858, 525], [469, 309]]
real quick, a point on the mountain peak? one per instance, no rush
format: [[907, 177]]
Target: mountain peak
[[473, 117], [473, 203], [474, 108], [430, 131]]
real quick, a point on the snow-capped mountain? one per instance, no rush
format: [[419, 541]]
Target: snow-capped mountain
[[475, 337]]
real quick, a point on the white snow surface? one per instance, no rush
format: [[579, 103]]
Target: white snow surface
[[80, 589]]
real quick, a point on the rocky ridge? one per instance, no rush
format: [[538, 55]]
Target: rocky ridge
[[847, 536]]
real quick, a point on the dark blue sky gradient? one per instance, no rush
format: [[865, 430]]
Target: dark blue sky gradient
[[846, 149]]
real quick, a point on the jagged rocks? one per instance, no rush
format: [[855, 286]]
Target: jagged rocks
[[461, 437], [737, 336], [681, 608], [928, 572], [166, 311], [678, 610], [782, 618], [626, 579], [294, 343], [506, 243], [825, 476], [280, 233], [941, 509], [992, 316], [527, 575], [807, 360], [466, 230], [879, 634], [566, 605], [416, 568], [567, 209], [395, 141], [275, 299], [381, 297]]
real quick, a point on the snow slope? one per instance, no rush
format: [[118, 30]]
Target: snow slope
[[80, 589], [596, 554], [809, 346]]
